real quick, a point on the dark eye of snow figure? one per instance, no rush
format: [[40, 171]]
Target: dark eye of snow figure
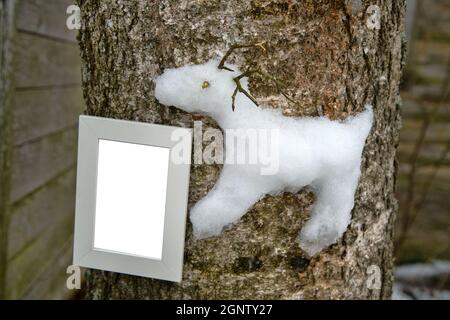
[[205, 84]]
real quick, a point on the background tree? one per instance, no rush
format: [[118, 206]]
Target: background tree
[[333, 57]]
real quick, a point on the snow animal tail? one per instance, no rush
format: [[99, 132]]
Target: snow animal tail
[[362, 123]]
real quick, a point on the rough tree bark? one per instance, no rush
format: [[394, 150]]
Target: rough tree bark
[[332, 63]]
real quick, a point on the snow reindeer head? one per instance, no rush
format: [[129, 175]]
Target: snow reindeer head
[[205, 88]]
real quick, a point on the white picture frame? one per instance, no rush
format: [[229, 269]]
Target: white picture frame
[[131, 198]]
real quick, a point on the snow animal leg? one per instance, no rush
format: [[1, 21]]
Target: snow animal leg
[[331, 213], [229, 200]]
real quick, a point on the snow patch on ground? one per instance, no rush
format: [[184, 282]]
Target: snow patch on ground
[[422, 281]]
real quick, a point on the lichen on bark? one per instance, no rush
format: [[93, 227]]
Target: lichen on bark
[[332, 64]]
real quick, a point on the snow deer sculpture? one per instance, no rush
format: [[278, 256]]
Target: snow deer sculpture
[[316, 152]]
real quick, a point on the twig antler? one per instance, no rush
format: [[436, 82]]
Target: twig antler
[[239, 88], [235, 47], [278, 84]]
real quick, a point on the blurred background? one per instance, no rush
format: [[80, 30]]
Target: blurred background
[[41, 98], [423, 184]]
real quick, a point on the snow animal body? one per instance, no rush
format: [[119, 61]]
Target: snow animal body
[[316, 152]]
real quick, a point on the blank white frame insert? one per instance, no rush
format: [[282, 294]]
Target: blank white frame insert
[[131, 199]]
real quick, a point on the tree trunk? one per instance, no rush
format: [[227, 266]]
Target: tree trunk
[[333, 61]]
